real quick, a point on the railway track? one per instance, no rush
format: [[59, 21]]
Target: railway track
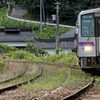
[[76, 95], [79, 92], [14, 77], [69, 94], [26, 76], [70, 97]]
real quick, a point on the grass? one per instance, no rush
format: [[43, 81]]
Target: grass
[[52, 78], [68, 59], [97, 81], [11, 70], [77, 79], [2, 64], [30, 74]]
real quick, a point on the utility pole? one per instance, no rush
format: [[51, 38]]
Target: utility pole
[[40, 16], [44, 13], [57, 26]]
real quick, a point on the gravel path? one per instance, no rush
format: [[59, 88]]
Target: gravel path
[[17, 94], [93, 94]]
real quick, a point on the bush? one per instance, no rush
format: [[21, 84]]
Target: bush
[[41, 52], [23, 55], [68, 59], [6, 49], [50, 32], [2, 64]]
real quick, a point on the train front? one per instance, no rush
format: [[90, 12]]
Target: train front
[[89, 38]]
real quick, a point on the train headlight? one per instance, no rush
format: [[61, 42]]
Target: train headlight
[[88, 48]]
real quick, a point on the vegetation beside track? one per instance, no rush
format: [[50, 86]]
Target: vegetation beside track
[[97, 82], [67, 59], [23, 55], [48, 31], [77, 79], [12, 70], [52, 78], [32, 72], [2, 64]]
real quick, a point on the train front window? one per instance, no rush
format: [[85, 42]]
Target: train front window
[[87, 25]]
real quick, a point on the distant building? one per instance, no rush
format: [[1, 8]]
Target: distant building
[[16, 37], [19, 37], [67, 42]]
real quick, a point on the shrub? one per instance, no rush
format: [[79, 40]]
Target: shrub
[[2, 64], [68, 59], [6, 49], [23, 55]]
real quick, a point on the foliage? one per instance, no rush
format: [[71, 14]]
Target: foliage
[[69, 9], [23, 55], [97, 83], [6, 22], [48, 32], [67, 59], [30, 46], [2, 64], [58, 50], [6, 49], [41, 52], [37, 51]]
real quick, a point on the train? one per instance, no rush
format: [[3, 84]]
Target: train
[[88, 38]]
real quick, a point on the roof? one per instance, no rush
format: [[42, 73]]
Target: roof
[[16, 35], [90, 11], [68, 35], [64, 39], [51, 44]]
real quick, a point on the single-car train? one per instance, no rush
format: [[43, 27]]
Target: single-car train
[[88, 40]]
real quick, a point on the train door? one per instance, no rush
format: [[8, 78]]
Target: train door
[[98, 35]]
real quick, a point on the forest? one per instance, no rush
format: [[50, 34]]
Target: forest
[[69, 9]]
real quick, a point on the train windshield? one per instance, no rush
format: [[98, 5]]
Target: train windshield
[[87, 24]]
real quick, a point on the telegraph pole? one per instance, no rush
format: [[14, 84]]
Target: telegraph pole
[[57, 26], [40, 16], [44, 13]]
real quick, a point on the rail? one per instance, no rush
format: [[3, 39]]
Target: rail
[[14, 86], [76, 94]]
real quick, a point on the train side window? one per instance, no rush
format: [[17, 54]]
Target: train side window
[[98, 27]]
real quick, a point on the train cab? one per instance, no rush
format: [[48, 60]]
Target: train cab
[[88, 45]]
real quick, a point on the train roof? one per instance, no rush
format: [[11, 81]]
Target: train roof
[[90, 11]]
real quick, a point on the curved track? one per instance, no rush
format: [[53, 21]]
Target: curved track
[[19, 75], [84, 89], [67, 94], [76, 94], [13, 86]]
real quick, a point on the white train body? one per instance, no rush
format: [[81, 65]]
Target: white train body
[[89, 38]]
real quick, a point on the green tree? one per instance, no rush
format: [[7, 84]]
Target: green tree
[[30, 46], [69, 9]]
